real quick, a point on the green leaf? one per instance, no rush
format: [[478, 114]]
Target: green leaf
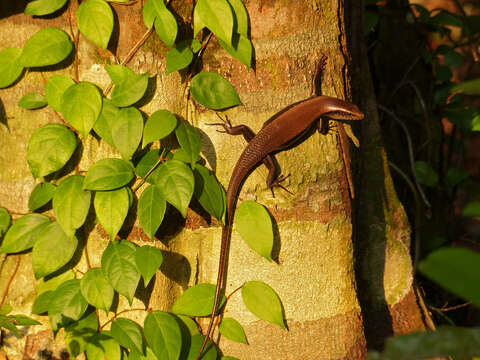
[[217, 16], [151, 210], [188, 324], [231, 329], [163, 335], [81, 106], [48, 46], [23, 320], [42, 302], [213, 91], [178, 57], [461, 343], [195, 45], [102, 346], [209, 192], [71, 204], [96, 289], [425, 174], [52, 250], [78, 334], [127, 131], [108, 174], [55, 87], [5, 309], [189, 139], [54, 282], [43, 7], [111, 208], [128, 334], [8, 324], [240, 17], [197, 301], [255, 227], [165, 23], [209, 353], [32, 101], [67, 305], [23, 233], [148, 260], [41, 195], [176, 182], [470, 87], [119, 73], [95, 21], [241, 49], [455, 269], [49, 149], [129, 87], [455, 176], [263, 302], [119, 267], [159, 125], [148, 14], [5, 220], [105, 122], [446, 18], [10, 66]]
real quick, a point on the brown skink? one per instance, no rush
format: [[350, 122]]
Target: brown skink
[[279, 133]]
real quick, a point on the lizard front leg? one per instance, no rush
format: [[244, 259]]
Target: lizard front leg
[[273, 180]]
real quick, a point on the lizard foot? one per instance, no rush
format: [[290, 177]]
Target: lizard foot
[[226, 124], [277, 183]]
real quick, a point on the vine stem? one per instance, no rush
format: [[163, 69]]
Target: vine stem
[[5, 293], [122, 312], [160, 160], [130, 56]]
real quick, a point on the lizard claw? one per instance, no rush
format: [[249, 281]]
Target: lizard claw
[[277, 182]]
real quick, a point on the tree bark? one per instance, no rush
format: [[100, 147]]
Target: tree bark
[[314, 275]]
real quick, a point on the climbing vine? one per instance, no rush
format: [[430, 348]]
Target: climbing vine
[[159, 175]]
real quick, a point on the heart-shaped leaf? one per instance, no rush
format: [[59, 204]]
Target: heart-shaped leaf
[[148, 260], [209, 192], [67, 305], [5, 220], [52, 249], [119, 267], [255, 227], [159, 125], [10, 66], [263, 302], [95, 21], [55, 87], [43, 7], [163, 335], [231, 329], [178, 57], [151, 209], [23, 233], [102, 346], [108, 174], [32, 101], [127, 131], [189, 139], [71, 204], [217, 16], [96, 289], [104, 124], [49, 149], [176, 182], [111, 208], [213, 91], [81, 106], [197, 301], [128, 334], [46, 47], [41, 195]]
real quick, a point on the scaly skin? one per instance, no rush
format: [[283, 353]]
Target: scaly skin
[[281, 130]]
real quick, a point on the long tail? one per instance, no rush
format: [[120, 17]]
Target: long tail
[[221, 268]]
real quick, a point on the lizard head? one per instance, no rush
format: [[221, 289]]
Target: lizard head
[[341, 110]]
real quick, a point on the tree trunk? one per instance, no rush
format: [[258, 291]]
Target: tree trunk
[[315, 275]]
